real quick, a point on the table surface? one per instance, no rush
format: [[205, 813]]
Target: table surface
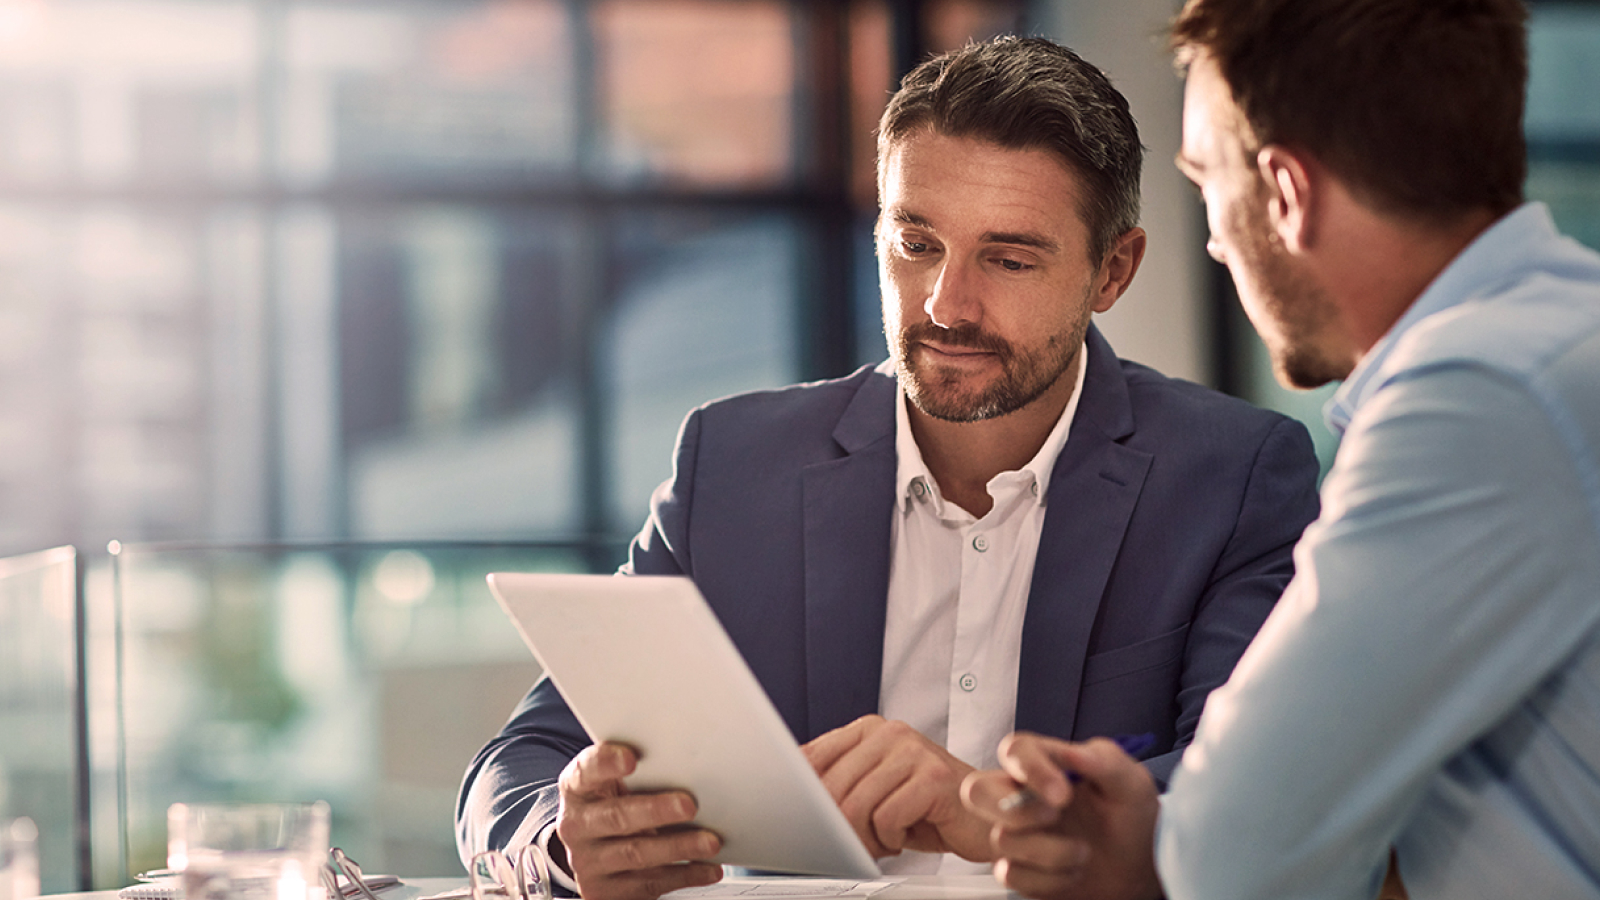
[[916, 887]]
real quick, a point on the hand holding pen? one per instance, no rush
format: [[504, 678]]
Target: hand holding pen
[[1070, 819], [1131, 744]]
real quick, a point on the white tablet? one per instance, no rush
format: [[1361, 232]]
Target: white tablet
[[643, 660]]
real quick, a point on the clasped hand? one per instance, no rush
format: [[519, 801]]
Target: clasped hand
[[899, 790], [1087, 836]]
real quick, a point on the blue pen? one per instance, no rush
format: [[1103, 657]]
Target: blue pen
[[1131, 744]]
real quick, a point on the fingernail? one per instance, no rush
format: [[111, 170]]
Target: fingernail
[[685, 807]]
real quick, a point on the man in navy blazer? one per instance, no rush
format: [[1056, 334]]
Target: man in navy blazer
[[1164, 526]]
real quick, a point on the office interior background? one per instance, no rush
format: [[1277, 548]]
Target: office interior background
[[314, 311]]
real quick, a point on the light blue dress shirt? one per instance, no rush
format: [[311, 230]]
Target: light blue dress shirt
[[1431, 679]]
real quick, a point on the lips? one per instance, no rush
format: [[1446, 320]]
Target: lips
[[956, 351]]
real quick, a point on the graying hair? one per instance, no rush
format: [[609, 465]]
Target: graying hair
[[1030, 93]]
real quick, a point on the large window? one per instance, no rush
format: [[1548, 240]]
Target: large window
[[334, 305], [403, 269]]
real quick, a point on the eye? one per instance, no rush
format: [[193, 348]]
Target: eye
[[914, 248], [1012, 265]]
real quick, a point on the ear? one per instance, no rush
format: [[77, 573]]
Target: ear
[[1291, 195], [1117, 271]]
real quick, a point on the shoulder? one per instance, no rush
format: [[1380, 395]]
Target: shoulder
[[1502, 369], [1536, 328], [805, 419], [823, 399]]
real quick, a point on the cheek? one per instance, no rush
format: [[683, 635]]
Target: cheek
[[901, 287]]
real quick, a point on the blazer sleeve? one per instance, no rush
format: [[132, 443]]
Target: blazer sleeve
[[509, 793], [1279, 500]]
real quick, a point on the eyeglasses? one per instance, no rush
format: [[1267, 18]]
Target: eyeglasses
[[523, 875]]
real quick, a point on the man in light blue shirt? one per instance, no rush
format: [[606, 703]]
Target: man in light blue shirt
[[1425, 700]]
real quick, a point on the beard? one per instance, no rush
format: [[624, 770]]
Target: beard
[[1300, 318], [946, 392]]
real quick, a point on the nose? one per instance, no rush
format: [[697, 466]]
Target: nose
[[953, 301]]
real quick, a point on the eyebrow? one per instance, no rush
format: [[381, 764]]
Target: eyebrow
[[1015, 238]]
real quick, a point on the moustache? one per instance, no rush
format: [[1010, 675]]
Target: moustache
[[969, 336]]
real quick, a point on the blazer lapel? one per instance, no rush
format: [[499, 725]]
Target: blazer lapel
[[848, 507], [1093, 490]]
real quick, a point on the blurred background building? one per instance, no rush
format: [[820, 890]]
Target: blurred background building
[[324, 308], [398, 269]]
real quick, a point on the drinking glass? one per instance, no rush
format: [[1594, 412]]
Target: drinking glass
[[263, 851]]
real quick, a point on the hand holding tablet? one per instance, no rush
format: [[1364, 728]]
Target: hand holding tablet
[[642, 661]]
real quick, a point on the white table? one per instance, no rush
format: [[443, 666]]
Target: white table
[[916, 887]]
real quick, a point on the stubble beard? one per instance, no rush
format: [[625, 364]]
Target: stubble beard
[[943, 392], [1301, 312]]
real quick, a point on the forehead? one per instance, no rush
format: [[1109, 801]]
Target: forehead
[[964, 181], [1213, 126]]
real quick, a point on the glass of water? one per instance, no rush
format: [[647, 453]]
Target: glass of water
[[263, 851]]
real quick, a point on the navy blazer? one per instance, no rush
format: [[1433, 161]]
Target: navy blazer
[[1171, 517]]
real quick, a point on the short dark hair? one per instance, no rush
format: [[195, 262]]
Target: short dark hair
[[1416, 104], [1030, 93]]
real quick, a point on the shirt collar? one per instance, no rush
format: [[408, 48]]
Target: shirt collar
[[912, 471], [1492, 257]]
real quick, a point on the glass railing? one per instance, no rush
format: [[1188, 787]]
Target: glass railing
[[41, 763]]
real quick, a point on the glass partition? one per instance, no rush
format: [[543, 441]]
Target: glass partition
[[39, 748], [364, 675]]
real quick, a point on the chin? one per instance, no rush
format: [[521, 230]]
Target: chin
[[1305, 368]]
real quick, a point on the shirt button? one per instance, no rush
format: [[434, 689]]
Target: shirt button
[[980, 543], [1035, 488], [918, 488], [968, 683]]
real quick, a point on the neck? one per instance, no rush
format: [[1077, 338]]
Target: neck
[[1382, 265], [963, 456]]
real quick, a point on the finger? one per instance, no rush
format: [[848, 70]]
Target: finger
[[861, 778], [878, 744], [1030, 882], [927, 792], [826, 749], [1040, 850], [857, 805], [598, 769], [889, 800], [591, 820], [1107, 768], [983, 791], [650, 883], [1037, 762], [647, 852]]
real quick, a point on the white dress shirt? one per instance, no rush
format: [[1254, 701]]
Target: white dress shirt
[[958, 589]]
